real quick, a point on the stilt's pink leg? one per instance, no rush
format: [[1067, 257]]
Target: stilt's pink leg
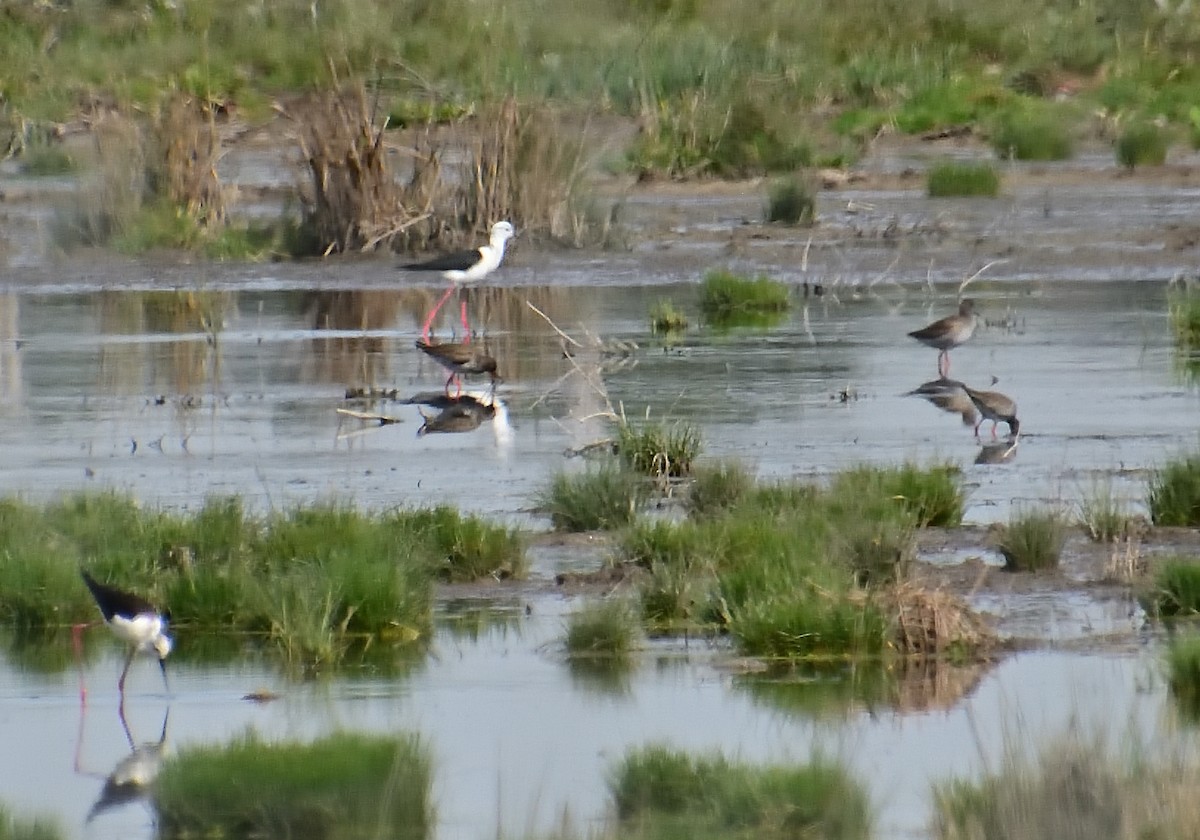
[[466, 325], [77, 643], [125, 672], [433, 314]]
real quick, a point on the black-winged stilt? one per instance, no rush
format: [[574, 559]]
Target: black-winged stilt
[[465, 267], [460, 359], [947, 333], [133, 620]]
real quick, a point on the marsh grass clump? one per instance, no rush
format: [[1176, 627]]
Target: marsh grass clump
[[790, 201], [470, 548], [1141, 143], [596, 499], [608, 628], [344, 785], [1183, 675], [1174, 496], [718, 487], [1032, 540], [47, 160], [957, 179], [658, 450], [1176, 589], [665, 318], [933, 495], [726, 296], [1103, 515], [14, 827], [678, 565], [660, 792], [1071, 788], [1183, 311], [1030, 133]]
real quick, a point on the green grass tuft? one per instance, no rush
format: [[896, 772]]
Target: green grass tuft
[[657, 450], [1183, 675], [342, 786], [717, 487], [954, 179], [600, 498], [932, 495], [13, 827], [1183, 311], [1103, 515], [1176, 590], [1174, 497], [606, 628], [665, 318], [726, 296], [1032, 134], [49, 160], [791, 201], [660, 792], [1141, 143], [1032, 540]]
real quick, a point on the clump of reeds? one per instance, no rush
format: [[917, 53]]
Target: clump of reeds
[[607, 628], [660, 792], [1071, 788], [343, 785], [658, 450], [717, 487], [317, 580], [1103, 515], [959, 179], [1176, 588], [1183, 311], [1183, 675], [14, 827], [1141, 143], [791, 201], [665, 318], [725, 296], [1174, 496], [932, 494], [1032, 540], [599, 498], [1030, 133]]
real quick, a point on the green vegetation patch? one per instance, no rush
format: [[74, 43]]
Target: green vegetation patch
[[1176, 590], [1174, 496], [1141, 143], [660, 792], [13, 827], [728, 298], [1183, 310], [342, 787], [1103, 516], [1032, 540], [795, 571], [314, 579], [658, 450], [605, 628], [665, 318], [791, 201], [598, 498], [1033, 133], [955, 179], [1183, 675]]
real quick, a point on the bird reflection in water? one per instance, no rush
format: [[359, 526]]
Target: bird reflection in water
[[1000, 452], [132, 777], [946, 395], [464, 413]]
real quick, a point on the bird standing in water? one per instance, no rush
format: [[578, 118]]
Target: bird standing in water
[[460, 359], [463, 267], [947, 333], [133, 620]]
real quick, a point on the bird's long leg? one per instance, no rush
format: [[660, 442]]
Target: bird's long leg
[[77, 644], [465, 323], [125, 671], [943, 357], [993, 430], [162, 666], [433, 314], [977, 425], [446, 389]]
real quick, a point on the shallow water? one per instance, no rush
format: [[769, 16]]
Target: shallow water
[[177, 382]]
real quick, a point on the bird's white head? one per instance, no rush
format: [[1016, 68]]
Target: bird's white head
[[162, 645], [502, 232]]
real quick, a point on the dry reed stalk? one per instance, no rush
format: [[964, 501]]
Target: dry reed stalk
[[185, 173], [928, 622]]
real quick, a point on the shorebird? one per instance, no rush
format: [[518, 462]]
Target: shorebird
[[947, 395], [460, 359], [466, 415], [465, 267], [949, 332], [133, 620], [996, 407]]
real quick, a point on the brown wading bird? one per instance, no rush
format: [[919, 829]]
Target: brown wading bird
[[461, 360], [948, 333], [996, 407]]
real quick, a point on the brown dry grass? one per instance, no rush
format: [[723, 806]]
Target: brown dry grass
[[184, 170], [931, 622]]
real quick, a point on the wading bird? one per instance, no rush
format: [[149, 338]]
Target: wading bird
[[464, 267], [949, 332], [461, 360], [133, 620]]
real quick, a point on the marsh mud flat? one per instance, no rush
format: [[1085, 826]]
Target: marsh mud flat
[[177, 381]]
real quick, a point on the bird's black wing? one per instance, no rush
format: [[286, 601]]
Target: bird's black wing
[[458, 261], [113, 601]]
